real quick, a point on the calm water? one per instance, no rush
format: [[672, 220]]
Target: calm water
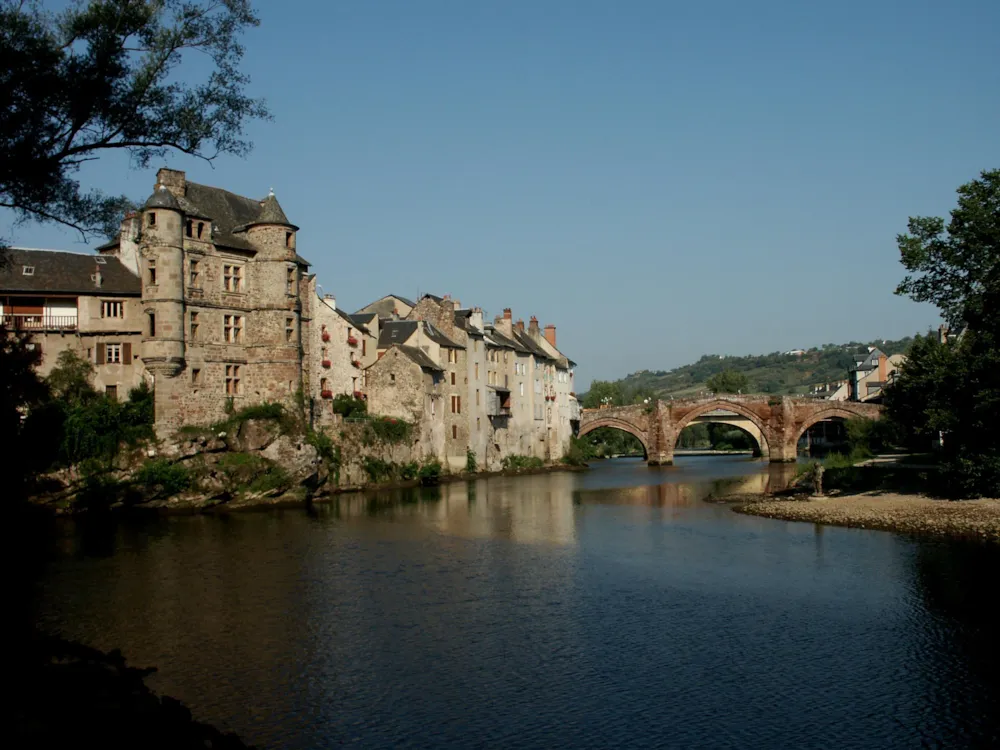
[[614, 608]]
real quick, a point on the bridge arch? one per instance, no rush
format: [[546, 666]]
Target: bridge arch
[[833, 412], [619, 424], [724, 405]]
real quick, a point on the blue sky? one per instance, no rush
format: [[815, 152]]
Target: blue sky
[[658, 179]]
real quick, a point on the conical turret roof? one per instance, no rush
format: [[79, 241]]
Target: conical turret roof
[[163, 198], [271, 213]]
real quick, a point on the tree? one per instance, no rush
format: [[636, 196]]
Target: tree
[[728, 381], [70, 378], [20, 390], [102, 76], [603, 392], [954, 267]]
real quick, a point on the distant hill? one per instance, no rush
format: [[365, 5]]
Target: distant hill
[[779, 373]]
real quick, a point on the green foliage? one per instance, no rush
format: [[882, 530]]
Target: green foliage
[[327, 451], [387, 430], [71, 377], [470, 461], [248, 471], [103, 76], [347, 406], [868, 437], [274, 411], [409, 470], [430, 472], [728, 381], [516, 462], [20, 390], [162, 478], [97, 428], [607, 441], [958, 266], [377, 469], [579, 452]]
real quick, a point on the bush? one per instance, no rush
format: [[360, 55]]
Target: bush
[[470, 461], [161, 477], [247, 471], [387, 430], [516, 462], [377, 469], [409, 470], [579, 453], [347, 406], [430, 472], [328, 452]]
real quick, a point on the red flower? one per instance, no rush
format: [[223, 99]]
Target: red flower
[[326, 335], [356, 363], [326, 363], [352, 341], [326, 394]]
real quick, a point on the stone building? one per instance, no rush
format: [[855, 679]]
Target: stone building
[[222, 299], [88, 304]]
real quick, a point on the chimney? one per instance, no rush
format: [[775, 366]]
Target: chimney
[[520, 324], [882, 375], [533, 327], [330, 301], [97, 278], [550, 334], [506, 313], [458, 304], [173, 180]]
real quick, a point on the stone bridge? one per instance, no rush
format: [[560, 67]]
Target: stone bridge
[[778, 421]]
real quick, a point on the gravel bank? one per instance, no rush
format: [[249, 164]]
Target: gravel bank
[[910, 514]]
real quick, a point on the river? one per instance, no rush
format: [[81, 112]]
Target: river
[[612, 608]]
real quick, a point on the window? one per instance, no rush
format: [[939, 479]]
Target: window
[[232, 278], [28, 270], [433, 405], [232, 380], [456, 404], [454, 432], [151, 220], [189, 228], [322, 384], [232, 329], [195, 376], [111, 391], [151, 265], [505, 356], [290, 280], [288, 239], [453, 378], [195, 274], [477, 371], [392, 377], [364, 347], [201, 228], [194, 326], [475, 345], [152, 323], [477, 397], [112, 309], [113, 354], [522, 389], [289, 329], [478, 425]]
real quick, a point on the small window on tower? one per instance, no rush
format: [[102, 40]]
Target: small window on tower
[[194, 326], [195, 376], [189, 228], [290, 280], [195, 274], [152, 220], [289, 329], [201, 228], [288, 239], [152, 324], [151, 266]]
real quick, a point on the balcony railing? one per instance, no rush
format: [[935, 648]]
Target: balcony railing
[[28, 322]]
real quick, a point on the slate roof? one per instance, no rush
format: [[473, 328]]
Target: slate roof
[[396, 332], [501, 340], [162, 198], [420, 357], [383, 307], [433, 297], [530, 345], [350, 319], [66, 273], [435, 335], [230, 213], [363, 319], [462, 321], [870, 361]]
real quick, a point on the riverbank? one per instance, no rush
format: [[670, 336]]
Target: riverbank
[[886, 511], [68, 695]]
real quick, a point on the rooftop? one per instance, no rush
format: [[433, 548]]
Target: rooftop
[[56, 272]]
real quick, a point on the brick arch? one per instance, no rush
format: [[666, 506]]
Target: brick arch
[[822, 415], [732, 406], [619, 424], [763, 446]]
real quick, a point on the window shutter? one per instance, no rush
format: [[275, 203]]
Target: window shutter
[[126, 353], [101, 354]]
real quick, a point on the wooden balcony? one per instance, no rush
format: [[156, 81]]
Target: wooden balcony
[[30, 322]]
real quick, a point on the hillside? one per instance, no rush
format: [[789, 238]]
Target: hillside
[[777, 373]]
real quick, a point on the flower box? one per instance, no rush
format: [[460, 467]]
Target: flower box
[[356, 363], [352, 341], [326, 394], [326, 363], [326, 336]]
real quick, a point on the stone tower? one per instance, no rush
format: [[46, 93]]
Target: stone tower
[[276, 321], [161, 250]]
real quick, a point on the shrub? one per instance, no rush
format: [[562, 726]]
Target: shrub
[[247, 471], [377, 469], [409, 470], [388, 430], [516, 462], [470, 461], [580, 451], [430, 472], [161, 477], [346, 405]]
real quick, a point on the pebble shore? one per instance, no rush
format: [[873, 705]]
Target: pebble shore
[[908, 514]]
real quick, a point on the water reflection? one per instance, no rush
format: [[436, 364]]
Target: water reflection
[[612, 608]]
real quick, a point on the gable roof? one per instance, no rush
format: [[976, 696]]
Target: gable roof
[[530, 344], [231, 214], [462, 321], [384, 306], [362, 319], [396, 332], [499, 339], [67, 273], [420, 357]]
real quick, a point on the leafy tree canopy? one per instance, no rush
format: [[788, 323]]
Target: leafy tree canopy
[[954, 266], [728, 381], [104, 75]]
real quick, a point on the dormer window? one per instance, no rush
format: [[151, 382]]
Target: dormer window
[[28, 270], [189, 228]]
